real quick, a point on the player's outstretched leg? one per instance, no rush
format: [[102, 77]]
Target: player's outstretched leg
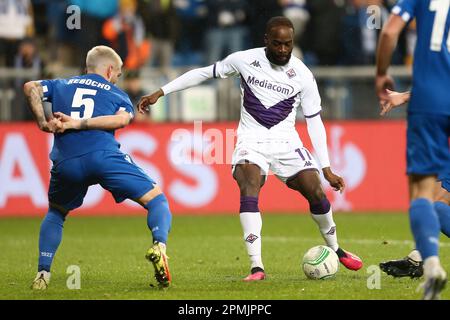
[[322, 214], [49, 239], [159, 220], [307, 182]]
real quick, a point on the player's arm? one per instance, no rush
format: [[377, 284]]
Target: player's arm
[[311, 105], [386, 45], [119, 120], [189, 79], [318, 136], [34, 92]]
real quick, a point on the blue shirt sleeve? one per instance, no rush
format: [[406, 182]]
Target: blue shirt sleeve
[[406, 9], [47, 88], [127, 106]]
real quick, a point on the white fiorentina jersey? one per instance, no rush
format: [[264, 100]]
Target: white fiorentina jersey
[[270, 94]]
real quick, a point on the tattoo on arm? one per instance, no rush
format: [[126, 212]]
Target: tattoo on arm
[[34, 96]]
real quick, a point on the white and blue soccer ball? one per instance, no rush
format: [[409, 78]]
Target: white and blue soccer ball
[[320, 262]]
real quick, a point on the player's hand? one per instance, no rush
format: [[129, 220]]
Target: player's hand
[[66, 122], [336, 182], [148, 100], [391, 100], [51, 126], [383, 82]]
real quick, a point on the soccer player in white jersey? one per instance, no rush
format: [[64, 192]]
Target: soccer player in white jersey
[[273, 85]]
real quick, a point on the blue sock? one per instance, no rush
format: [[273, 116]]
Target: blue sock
[[159, 218], [443, 212], [49, 238], [425, 227]]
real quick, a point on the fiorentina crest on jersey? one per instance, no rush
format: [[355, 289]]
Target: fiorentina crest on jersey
[[291, 73]]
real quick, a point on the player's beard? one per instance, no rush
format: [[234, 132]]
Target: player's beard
[[278, 60]]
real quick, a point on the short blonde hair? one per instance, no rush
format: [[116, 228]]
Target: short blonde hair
[[101, 55]]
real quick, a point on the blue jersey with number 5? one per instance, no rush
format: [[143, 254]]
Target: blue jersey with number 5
[[431, 74], [84, 97]]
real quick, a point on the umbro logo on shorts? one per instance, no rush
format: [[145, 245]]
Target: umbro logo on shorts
[[255, 64], [251, 238]]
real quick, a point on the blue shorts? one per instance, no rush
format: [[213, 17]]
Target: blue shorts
[[428, 150], [113, 170]]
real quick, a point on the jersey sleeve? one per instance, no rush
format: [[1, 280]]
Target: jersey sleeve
[[310, 97], [47, 89], [228, 67], [406, 9], [126, 106]]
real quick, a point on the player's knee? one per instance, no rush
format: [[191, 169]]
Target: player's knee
[[316, 195], [159, 200], [322, 206], [250, 188], [149, 196], [57, 209], [55, 215]]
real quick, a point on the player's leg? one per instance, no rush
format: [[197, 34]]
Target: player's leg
[[66, 192], [125, 180], [425, 227], [412, 264], [250, 180], [159, 217], [308, 183], [159, 221], [427, 155]]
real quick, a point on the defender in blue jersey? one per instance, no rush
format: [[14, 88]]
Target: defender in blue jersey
[[412, 264], [87, 110], [428, 154]]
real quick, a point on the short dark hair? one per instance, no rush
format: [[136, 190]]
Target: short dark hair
[[278, 21]]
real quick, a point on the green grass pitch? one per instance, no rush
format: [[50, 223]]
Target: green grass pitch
[[207, 258]]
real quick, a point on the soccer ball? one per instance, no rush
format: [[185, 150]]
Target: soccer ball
[[320, 262]]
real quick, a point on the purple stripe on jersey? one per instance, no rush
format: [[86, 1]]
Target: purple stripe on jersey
[[214, 71], [313, 115], [249, 204], [267, 117]]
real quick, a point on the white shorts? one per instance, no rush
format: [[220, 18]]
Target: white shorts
[[283, 158]]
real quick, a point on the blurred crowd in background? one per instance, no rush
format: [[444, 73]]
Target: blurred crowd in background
[[167, 34]]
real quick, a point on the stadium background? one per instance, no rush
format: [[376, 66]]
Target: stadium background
[[160, 39]]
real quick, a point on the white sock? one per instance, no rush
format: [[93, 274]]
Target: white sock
[[415, 255], [327, 228], [251, 223], [431, 265]]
